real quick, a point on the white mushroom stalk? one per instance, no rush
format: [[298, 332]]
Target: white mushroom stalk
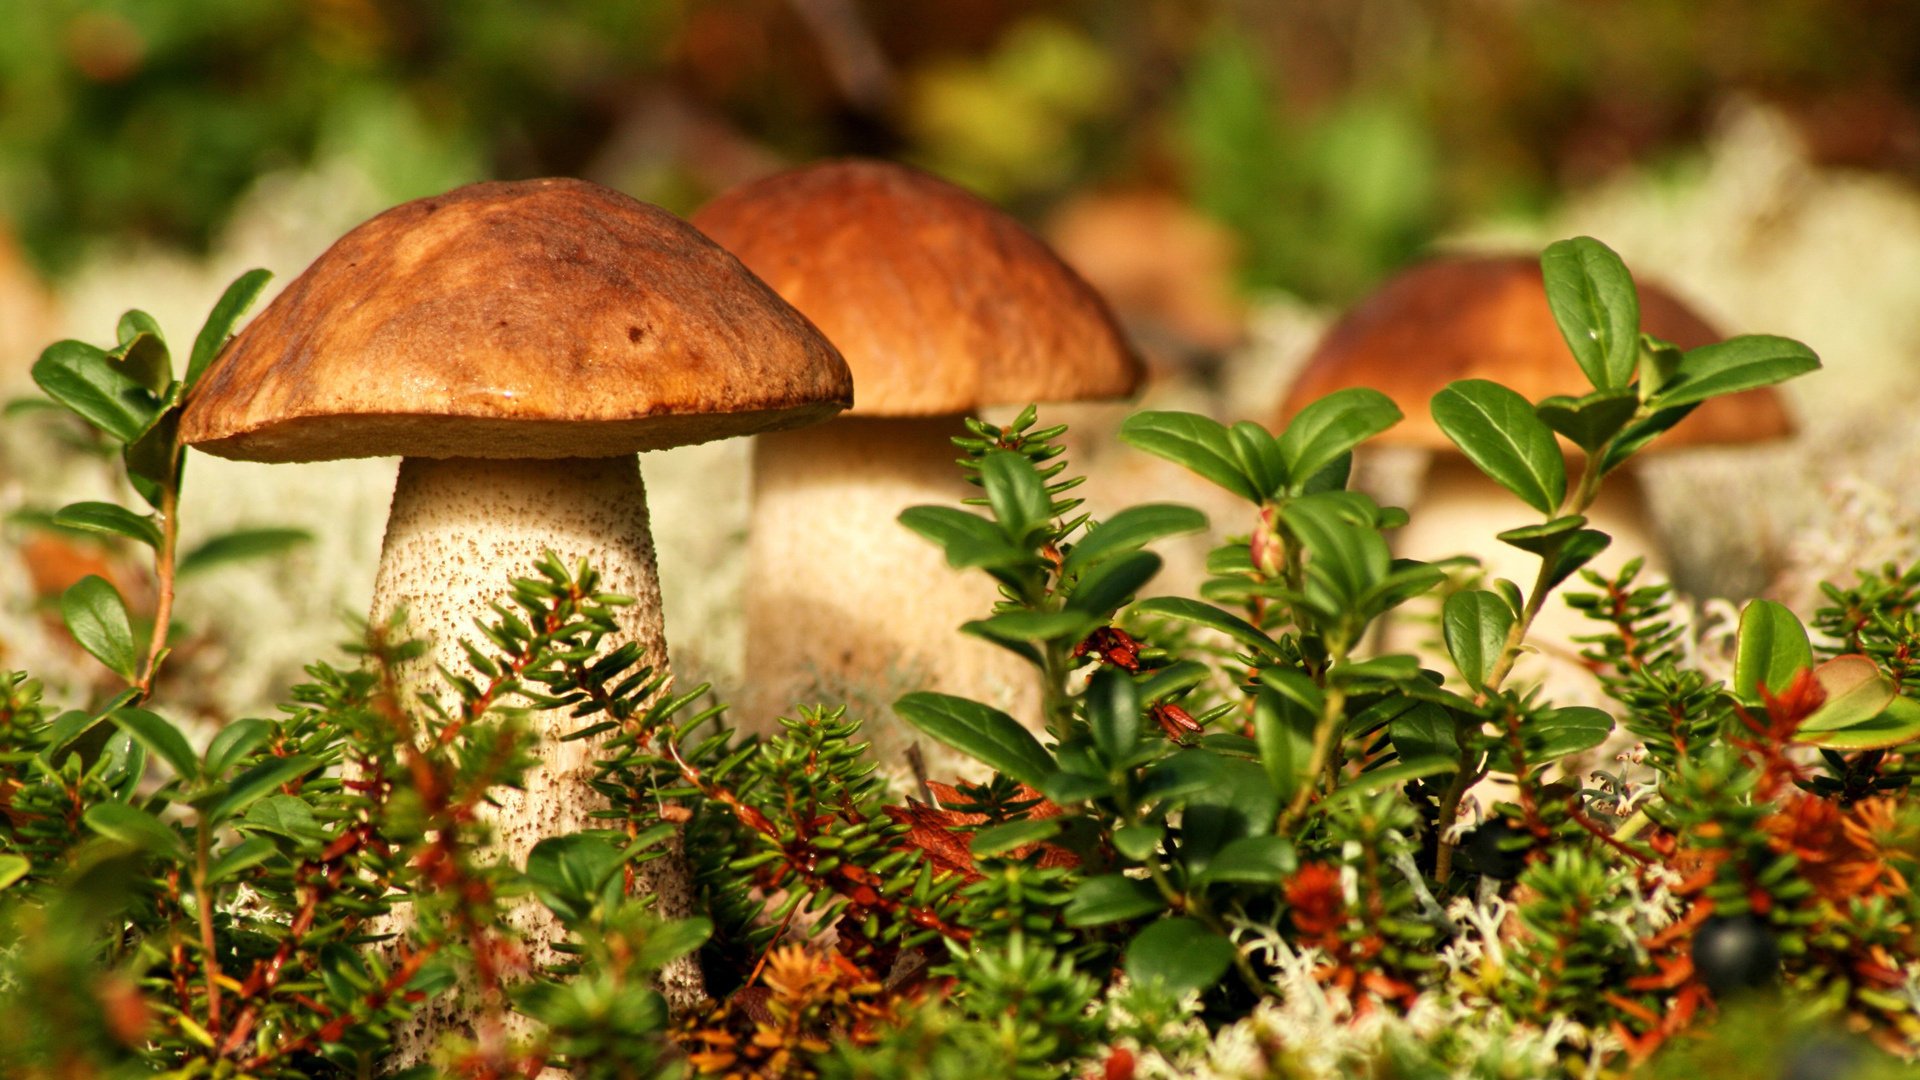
[[459, 530], [826, 546]]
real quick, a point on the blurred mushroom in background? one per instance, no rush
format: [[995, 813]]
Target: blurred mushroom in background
[[1486, 317], [1167, 270]]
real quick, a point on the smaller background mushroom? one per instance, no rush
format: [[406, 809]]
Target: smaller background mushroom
[[1486, 317], [941, 304]]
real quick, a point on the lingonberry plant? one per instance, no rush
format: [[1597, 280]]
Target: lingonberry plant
[[1235, 839]]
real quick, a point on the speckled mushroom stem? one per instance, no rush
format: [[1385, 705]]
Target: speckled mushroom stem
[[845, 604], [458, 530]]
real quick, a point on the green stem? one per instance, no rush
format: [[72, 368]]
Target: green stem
[[1332, 712], [1576, 502], [163, 572], [209, 961], [1056, 704]]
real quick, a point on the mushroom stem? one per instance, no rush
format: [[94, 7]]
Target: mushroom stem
[[845, 604], [459, 529]]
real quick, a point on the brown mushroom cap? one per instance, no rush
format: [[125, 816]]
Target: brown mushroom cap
[[1486, 317], [940, 302], [535, 319]]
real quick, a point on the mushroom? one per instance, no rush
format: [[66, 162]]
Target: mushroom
[[1486, 316], [941, 304], [516, 344]]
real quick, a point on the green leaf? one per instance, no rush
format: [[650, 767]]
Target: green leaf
[[1555, 733], [1588, 422], [219, 325], [1742, 363], [153, 460], [1072, 789], [284, 815], [1425, 730], [97, 618], [1131, 528], [1016, 493], [1109, 583], [1346, 557], [1323, 432], [1856, 692], [1641, 432], [1772, 648], [1475, 624], [983, 732], [233, 742], [1213, 618], [1392, 776], [1243, 802], [1138, 842], [109, 518], [1251, 860], [1392, 668], [1543, 539], [85, 380], [1284, 732], [142, 356], [1594, 301], [1111, 898], [161, 737], [667, 942], [1113, 712], [1331, 478], [1258, 456], [1500, 433], [134, 322], [1179, 953], [67, 727], [1182, 774], [1580, 547], [1023, 626], [134, 827], [1296, 686], [1164, 682], [12, 869], [1659, 363], [949, 527], [1897, 725], [1195, 442], [571, 874], [1001, 839], [261, 780], [240, 544], [250, 852]]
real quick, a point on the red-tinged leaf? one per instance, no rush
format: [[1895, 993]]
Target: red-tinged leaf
[[921, 818], [932, 830]]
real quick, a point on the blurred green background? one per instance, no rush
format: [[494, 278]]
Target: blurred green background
[[1334, 138]]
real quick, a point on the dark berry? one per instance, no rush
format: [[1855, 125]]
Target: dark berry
[[1497, 849], [1734, 953]]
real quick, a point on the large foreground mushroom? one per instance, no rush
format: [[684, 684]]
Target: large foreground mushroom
[[941, 304], [517, 344]]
